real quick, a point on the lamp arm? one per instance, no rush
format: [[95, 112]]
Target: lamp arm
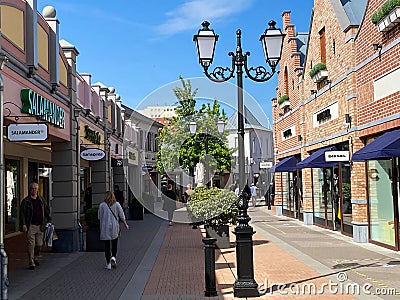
[[219, 73], [261, 73]]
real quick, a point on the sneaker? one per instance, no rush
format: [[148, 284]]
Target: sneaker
[[170, 224], [113, 262], [31, 267], [108, 266]]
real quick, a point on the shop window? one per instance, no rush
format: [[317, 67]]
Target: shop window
[[12, 195], [380, 201]]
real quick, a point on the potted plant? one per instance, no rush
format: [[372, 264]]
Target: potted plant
[[93, 242], [217, 209], [283, 101], [318, 72], [387, 16]]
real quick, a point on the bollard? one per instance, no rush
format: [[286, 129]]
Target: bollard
[[4, 277], [209, 259]]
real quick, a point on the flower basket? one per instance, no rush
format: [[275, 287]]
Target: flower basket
[[284, 101], [389, 21], [387, 16], [320, 76], [284, 104]]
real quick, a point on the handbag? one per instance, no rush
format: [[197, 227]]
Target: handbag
[[119, 233]]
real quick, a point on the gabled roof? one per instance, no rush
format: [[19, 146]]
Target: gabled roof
[[349, 12], [302, 39], [250, 121]]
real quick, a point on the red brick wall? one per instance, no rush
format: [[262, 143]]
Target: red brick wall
[[370, 110]]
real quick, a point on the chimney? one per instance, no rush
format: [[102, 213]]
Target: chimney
[[285, 19]]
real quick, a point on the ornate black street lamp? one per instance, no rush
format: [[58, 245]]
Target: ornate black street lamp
[[272, 41]]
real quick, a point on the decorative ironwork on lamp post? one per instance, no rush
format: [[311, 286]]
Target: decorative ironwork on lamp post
[[272, 41]]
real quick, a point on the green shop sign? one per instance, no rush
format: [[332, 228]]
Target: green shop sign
[[42, 108], [92, 135]]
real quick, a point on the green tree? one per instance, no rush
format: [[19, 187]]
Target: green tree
[[181, 149]]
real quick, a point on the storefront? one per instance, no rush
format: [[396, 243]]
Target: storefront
[[34, 120], [330, 188], [383, 187], [289, 184]]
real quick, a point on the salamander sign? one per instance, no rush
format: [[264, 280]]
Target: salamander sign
[[92, 154], [337, 156], [26, 132], [42, 108]]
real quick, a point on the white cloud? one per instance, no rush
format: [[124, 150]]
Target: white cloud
[[191, 14]]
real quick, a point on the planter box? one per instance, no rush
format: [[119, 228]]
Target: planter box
[[320, 75], [93, 242], [389, 21], [284, 104], [221, 233]]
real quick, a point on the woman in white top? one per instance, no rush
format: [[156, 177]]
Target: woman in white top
[[110, 213]]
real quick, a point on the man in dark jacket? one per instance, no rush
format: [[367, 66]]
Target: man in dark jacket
[[35, 213]]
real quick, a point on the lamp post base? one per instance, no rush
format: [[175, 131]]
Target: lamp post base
[[242, 289], [245, 285]]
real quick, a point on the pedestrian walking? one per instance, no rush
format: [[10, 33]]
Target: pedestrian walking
[[189, 192], [169, 197], [268, 196], [119, 195], [253, 191], [110, 214], [35, 214]]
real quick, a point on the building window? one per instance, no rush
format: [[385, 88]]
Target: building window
[[324, 116], [287, 133], [12, 193], [322, 45]]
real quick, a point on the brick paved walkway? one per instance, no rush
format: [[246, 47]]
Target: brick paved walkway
[[157, 261]]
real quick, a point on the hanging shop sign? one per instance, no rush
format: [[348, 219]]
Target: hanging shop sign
[[133, 157], [92, 154], [42, 108], [337, 156], [118, 162], [266, 164], [147, 168], [27, 132], [92, 135]]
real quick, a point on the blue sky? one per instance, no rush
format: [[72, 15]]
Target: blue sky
[[142, 47]]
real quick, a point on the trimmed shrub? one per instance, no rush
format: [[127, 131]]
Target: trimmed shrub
[[216, 206]]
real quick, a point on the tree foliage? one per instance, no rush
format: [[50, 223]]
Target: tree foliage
[[181, 149]]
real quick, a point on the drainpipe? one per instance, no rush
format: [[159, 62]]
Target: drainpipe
[[77, 111], [3, 254]]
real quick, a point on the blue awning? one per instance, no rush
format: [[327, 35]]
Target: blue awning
[[387, 145], [288, 164], [317, 159]]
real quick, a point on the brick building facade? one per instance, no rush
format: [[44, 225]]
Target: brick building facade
[[349, 99]]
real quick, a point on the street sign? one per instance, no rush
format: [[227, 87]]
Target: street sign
[[337, 156], [266, 164], [27, 132], [92, 154]]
